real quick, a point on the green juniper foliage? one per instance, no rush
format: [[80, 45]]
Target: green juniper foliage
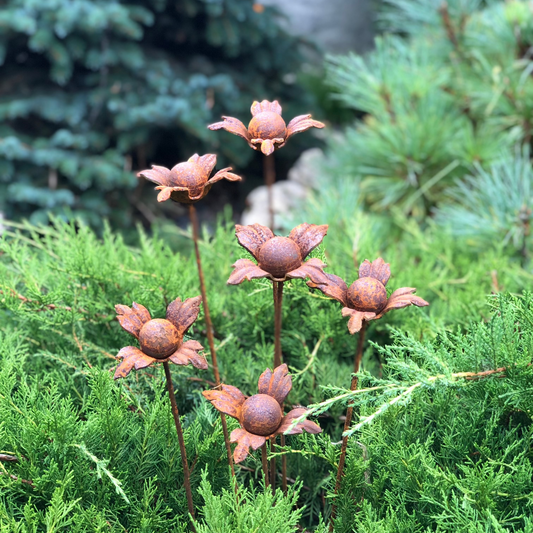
[[92, 90], [103, 454]]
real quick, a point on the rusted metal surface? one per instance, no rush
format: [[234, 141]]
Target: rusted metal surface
[[187, 182], [260, 416], [366, 298], [161, 340], [181, 440], [279, 258], [267, 130]]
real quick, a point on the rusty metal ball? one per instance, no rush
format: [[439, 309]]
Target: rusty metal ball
[[267, 125], [188, 175], [261, 415], [367, 294], [278, 256], [159, 338]]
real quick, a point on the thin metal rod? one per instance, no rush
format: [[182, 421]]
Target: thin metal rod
[[283, 468], [273, 465], [209, 326], [265, 463], [278, 300], [183, 451], [269, 173], [348, 421]]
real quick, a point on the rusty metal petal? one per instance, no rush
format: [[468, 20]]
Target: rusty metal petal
[[305, 425], [302, 123], [313, 269], [253, 237], [224, 174], [132, 319], [245, 441], [229, 400], [131, 358], [356, 318], [276, 384], [156, 174], [207, 162], [402, 298], [183, 314], [378, 269], [267, 146], [308, 237], [335, 288], [188, 353], [232, 125], [245, 269], [265, 105]]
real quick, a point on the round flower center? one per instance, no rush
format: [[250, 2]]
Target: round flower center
[[367, 294], [278, 256], [188, 175], [267, 125], [261, 415], [159, 338]]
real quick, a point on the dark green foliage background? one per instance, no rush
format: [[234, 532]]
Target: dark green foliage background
[[93, 90]]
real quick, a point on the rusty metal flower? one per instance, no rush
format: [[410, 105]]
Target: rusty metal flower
[[267, 130], [260, 416], [161, 340], [187, 182], [279, 258], [366, 298]]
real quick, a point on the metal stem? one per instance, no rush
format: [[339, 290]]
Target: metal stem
[[265, 463], [209, 326], [278, 300], [269, 172], [348, 421], [273, 465], [183, 451]]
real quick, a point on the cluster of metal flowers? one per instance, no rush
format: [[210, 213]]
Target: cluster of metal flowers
[[278, 259]]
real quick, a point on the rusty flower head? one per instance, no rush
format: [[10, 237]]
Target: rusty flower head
[[267, 130], [187, 182], [160, 339], [366, 298], [279, 258], [260, 416]]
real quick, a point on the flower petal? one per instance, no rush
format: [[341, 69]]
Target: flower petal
[[335, 288], [277, 384], [229, 400], [312, 269], [402, 298], [305, 425], [356, 318], [164, 194], [131, 357], [207, 162], [265, 105], [245, 269], [188, 353], [267, 147], [183, 314], [232, 125], [159, 175], [253, 237], [378, 269], [224, 174], [302, 123], [308, 237], [132, 319], [244, 441]]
